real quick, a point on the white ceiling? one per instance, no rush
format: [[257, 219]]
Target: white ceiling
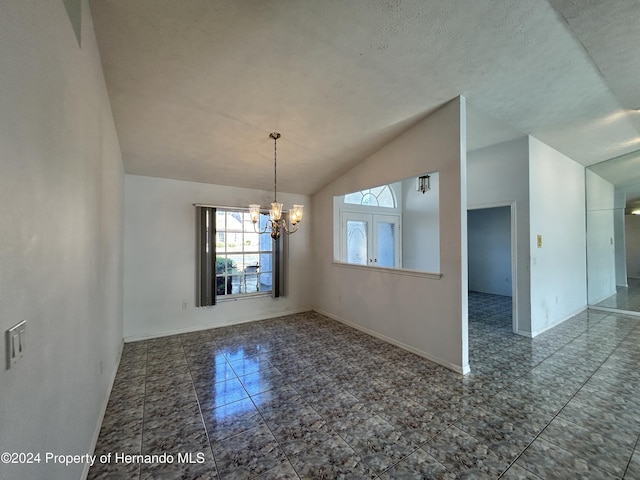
[[196, 86]]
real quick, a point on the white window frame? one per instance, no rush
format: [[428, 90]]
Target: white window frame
[[372, 220], [242, 275], [372, 215]]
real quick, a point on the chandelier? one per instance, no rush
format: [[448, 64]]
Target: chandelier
[[276, 223]]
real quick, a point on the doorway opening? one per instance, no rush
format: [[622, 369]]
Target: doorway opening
[[492, 270]]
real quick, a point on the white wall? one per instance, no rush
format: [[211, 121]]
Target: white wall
[[601, 262], [632, 233], [499, 176], [421, 225], [160, 258], [61, 200], [557, 212], [489, 238], [425, 314]]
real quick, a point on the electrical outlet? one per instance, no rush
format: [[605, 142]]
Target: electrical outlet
[[15, 343], [184, 305]]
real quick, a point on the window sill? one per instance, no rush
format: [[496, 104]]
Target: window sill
[[392, 271], [244, 296]]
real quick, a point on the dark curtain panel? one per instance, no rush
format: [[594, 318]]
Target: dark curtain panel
[[279, 255], [206, 253]]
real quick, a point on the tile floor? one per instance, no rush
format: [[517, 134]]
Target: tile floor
[[625, 298], [304, 396]]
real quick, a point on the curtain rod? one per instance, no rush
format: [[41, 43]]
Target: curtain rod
[[224, 207]]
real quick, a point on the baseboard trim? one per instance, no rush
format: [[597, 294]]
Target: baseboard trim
[[615, 310], [524, 333], [199, 328], [555, 324], [463, 370], [103, 411]]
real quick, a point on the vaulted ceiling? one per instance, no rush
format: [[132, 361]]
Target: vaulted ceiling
[[196, 86]]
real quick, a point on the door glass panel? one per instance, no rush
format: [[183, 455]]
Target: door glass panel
[[386, 244], [357, 242]]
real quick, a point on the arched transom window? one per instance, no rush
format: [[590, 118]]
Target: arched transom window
[[374, 197]]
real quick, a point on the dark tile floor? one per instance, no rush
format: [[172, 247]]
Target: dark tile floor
[[304, 396]]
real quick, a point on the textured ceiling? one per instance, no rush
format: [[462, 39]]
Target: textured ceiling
[[197, 85], [609, 32]]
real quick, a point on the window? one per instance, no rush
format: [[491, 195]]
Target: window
[[232, 259], [371, 239], [374, 197], [393, 225], [243, 258], [370, 227]]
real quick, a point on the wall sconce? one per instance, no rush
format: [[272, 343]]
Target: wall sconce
[[424, 184]]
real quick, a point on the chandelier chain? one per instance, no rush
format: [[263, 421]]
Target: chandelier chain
[[277, 223], [275, 171]]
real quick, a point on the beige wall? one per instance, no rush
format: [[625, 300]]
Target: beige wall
[[427, 315], [160, 259]]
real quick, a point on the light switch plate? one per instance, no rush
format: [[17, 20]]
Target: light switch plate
[[15, 343]]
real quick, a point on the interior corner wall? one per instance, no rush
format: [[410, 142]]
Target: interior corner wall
[[426, 315], [498, 175], [632, 234], [61, 204], [601, 261], [558, 215], [160, 259]]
